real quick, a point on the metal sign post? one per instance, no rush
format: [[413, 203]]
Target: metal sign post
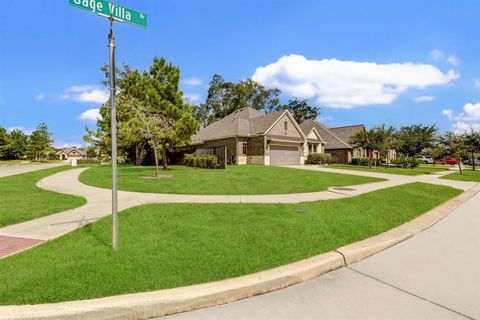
[[113, 126], [114, 13]]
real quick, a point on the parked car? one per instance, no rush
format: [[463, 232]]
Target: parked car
[[451, 161], [425, 159], [469, 162]]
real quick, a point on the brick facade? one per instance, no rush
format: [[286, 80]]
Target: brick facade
[[341, 155], [256, 146]]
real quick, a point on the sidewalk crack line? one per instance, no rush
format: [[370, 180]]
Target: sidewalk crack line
[[411, 293]]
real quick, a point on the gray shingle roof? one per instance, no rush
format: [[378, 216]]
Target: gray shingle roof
[[332, 141], [70, 150], [243, 122], [347, 132]]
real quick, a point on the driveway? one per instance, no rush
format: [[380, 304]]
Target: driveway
[[12, 169], [434, 275]]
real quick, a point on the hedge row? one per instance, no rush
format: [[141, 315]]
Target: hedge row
[[405, 162], [207, 161], [319, 158]]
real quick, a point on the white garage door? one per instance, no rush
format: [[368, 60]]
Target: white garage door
[[284, 155]]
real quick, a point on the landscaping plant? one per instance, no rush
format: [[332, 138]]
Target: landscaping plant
[[206, 161], [319, 158]]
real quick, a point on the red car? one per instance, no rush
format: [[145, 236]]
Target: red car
[[451, 161], [447, 161]]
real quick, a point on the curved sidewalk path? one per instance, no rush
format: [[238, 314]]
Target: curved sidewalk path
[[13, 169], [99, 200]]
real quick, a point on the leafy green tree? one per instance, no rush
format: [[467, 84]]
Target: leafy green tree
[[472, 144], [4, 142], [39, 142], [415, 138], [163, 100], [91, 152], [200, 113], [454, 146], [301, 110], [17, 147], [225, 97], [148, 96], [435, 151], [152, 126], [367, 140], [384, 140]]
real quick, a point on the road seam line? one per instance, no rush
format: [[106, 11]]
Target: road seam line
[[410, 293]]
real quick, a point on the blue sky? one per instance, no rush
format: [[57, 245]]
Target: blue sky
[[360, 61]]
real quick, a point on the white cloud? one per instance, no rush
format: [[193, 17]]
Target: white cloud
[[471, 112], [461, 127], [423, 98], [25, 130], [453, 60], [348, 84], [85, 93], [191, 97], [437, 54], [193, 81], [95, 95], [441, 56], [90, 115], [448, 113], [40, 96], [463, 121]]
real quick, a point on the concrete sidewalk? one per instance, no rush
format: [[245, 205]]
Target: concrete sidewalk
[[434, 275], [12, 169]]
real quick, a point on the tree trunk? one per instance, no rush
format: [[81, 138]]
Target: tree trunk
[[164, 156], [155, 153], [387, 159], [459, 166], [473, 161], [136, 154], [370, 160]]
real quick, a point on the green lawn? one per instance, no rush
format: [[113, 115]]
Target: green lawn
[[22, 200], [234, 180], [393, 170], [171, 245], [468, 175]]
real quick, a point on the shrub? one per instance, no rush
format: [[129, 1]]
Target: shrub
[[88, 161], [360, 161], [207, 161], [319, 158], [405, 162], [188, 160]]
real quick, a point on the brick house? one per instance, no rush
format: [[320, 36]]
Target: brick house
[[337, 141], [252, 137], [71, 153]]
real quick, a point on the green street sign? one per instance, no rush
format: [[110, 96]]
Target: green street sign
[[108, 9]]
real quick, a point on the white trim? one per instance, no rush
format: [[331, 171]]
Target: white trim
[[317, 134]]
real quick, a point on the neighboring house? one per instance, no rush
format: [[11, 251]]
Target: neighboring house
[[71, 153], [252, 137], [337, 141]]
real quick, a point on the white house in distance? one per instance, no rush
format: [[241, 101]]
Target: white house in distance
[[71, 153]]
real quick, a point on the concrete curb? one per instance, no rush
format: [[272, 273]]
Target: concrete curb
[[163, 302], [170, 301], [362, 249]]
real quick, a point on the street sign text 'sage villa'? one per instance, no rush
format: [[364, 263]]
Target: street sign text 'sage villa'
[[115, 11]]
